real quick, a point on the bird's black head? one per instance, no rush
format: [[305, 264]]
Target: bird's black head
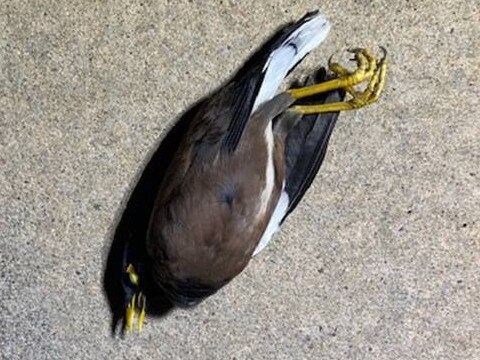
[[187, 292]]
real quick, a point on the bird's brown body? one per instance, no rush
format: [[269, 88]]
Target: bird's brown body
[[214, 205]]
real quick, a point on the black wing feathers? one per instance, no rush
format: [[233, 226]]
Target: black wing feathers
[[245, 93], [306, 145]]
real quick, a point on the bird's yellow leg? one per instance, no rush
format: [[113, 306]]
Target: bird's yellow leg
[[137, 304], [366, 65]]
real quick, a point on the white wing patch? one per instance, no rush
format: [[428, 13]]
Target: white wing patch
[[274, 223], [296, 46], [300, 42], [269, 172]]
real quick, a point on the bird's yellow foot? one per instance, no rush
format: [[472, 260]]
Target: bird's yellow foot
[[368, 68], [137, 304]]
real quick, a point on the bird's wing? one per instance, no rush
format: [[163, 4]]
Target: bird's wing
[[259, 80], [306, 146], [305, 149]]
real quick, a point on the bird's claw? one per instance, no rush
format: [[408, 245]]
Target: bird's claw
[[368, 68]]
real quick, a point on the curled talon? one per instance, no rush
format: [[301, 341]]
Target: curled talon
[[336, 68], [368, 69], [385, 53], [330, 60], [355, 50]]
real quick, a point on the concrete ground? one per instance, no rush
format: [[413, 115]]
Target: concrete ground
[[381, 261]]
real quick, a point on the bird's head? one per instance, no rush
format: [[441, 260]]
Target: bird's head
[[187, 292]]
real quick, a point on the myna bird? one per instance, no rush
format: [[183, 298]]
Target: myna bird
[[244, 163]]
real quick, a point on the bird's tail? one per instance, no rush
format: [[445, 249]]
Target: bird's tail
[[295, 43], [261, 76]]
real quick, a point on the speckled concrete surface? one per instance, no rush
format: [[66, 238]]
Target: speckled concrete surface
[[380, 262]]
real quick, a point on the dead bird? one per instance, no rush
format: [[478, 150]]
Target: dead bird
[[245, 161]]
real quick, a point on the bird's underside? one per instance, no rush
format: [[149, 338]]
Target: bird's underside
[[244, 163]]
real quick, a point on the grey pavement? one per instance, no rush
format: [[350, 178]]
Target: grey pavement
[[381, 260]]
